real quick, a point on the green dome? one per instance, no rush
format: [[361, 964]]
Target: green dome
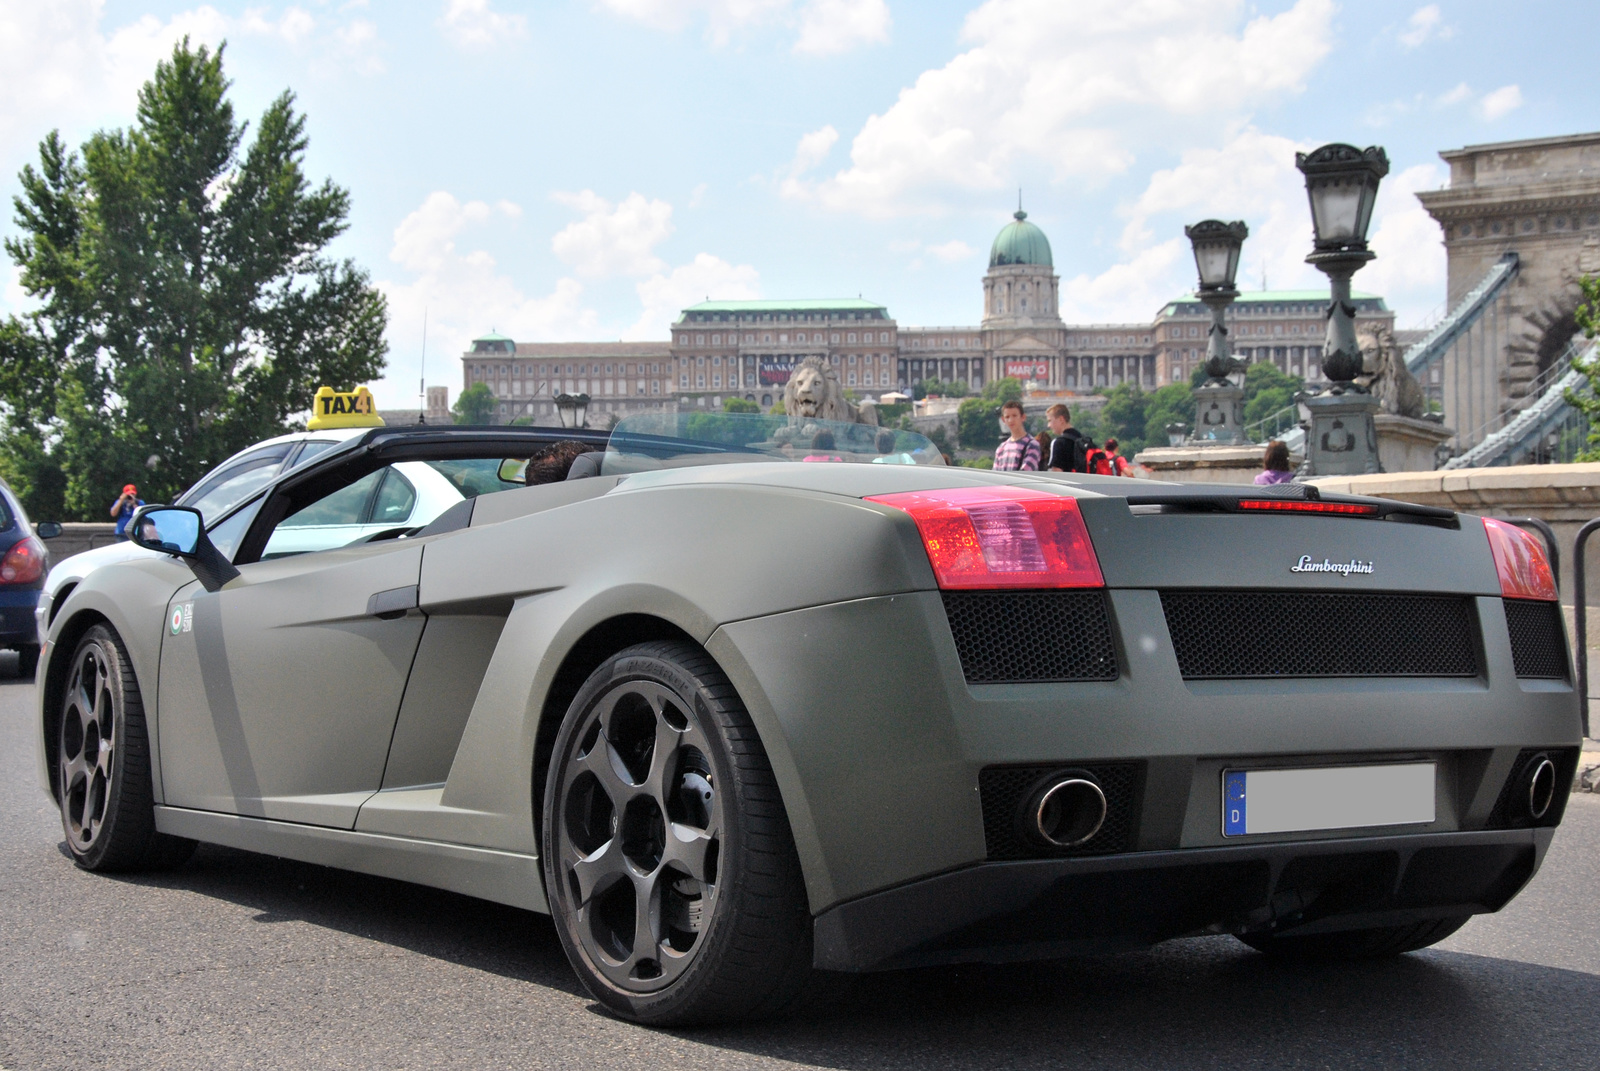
[[1020, 243]]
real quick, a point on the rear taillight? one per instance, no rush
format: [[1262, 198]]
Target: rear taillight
[[1001, 537], [23, 563], [1292, 505], [1519, 558]]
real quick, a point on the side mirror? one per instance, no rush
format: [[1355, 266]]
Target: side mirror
[[513, 470], [181, 532], [47, 529]]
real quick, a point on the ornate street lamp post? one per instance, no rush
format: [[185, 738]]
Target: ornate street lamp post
[[1219, 404], [1342, 185], [573, 410]]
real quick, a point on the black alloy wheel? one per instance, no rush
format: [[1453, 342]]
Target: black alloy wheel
[[103, 764], [669, 864]]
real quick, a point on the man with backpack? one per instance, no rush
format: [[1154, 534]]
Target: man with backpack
[[1070, 448]]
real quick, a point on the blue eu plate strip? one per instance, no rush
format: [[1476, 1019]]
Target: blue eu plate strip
[[1233, 812]]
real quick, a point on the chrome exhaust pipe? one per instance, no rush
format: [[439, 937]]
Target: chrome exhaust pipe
[[1066, 812], [1540, 775]]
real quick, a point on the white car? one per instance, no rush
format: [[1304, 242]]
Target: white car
[[229, 484]]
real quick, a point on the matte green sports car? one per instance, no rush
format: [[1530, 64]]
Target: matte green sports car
[[737, 720]]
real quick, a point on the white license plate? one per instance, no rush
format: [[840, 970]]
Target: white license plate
[[1326, 797]]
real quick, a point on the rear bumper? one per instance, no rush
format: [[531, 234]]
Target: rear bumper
[[17, 625], [999, 912]]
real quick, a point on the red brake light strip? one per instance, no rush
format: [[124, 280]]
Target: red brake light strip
[[1279, 505]]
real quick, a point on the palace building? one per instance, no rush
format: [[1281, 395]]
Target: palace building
[[746, 349]]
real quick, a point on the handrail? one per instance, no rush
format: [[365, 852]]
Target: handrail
[[1548, 407], [1276, 418], [1464, 315], [1580, 617]]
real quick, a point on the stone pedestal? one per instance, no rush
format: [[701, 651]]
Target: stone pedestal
[[1343, 440], [1219, 413], [1406, 444], [1198, 463]]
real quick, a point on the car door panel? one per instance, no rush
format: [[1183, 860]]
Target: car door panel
[[279, 699]]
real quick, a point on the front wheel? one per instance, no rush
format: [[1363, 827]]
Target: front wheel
[[1379, 942], [103, 764], [668, 860]]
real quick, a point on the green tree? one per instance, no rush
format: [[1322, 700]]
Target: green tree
[[186, 308], [475, 405], [1267, 390], [1172, 404], [1124, 417], [1587, 401], [739, 405]]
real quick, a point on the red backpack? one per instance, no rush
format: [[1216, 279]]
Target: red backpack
[[1099, 462]]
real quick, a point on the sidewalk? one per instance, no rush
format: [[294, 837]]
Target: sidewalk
[[1589, 765]]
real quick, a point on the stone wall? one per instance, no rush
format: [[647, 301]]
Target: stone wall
[[76, 537]]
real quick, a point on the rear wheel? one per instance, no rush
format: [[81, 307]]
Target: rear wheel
[[668, 860], [1377, 943], [103, 764]]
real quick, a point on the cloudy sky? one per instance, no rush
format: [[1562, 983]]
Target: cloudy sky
[[582, 169]]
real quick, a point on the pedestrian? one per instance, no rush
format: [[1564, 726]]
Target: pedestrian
[[1019, 452], [1119, 464], [1069, 445], [123, 509], [823, 447], [1275, 465]]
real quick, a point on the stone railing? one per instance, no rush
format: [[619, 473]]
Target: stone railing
[[77, 537]]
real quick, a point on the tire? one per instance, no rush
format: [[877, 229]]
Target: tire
[[27, 661], [1378, 943], [668, 861], [107, 803]]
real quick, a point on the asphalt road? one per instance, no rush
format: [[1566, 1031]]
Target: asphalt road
[[240, 960]]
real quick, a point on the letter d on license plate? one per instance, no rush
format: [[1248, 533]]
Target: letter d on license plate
[[1326, 797]]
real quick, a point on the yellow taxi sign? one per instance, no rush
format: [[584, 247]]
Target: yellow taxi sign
[[341, 409]]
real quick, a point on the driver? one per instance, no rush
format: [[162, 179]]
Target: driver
[[552, 464]]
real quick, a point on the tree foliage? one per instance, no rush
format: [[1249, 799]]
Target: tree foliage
[[475, 405], [186, 308], [739, 405], [978, 419], [1587, 402]]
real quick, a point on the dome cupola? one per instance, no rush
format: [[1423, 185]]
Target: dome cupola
[[1020, 242]]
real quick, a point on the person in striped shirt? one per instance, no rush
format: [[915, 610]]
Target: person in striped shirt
[[1020, 452]]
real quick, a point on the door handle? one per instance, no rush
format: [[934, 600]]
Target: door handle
[[393, 603]]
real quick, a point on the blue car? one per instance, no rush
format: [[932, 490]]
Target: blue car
[[23, 565]]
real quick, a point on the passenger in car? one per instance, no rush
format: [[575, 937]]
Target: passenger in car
[[552, 464]]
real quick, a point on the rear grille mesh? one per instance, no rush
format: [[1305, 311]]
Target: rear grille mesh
[[1538, 644], [1003, 788], [1233, 634], [1015, 636]]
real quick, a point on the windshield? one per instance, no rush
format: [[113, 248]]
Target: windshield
[[672, 440]]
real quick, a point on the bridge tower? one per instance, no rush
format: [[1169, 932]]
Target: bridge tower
[[1539, 199]]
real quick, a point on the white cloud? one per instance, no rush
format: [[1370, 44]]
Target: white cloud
[[613, 239], [1454, 96], [664, 296], [811, 150], [293, 27], [1502, 101], [61, 69], [474, 24], [1410, 268], [951, 251], [1070, 85], [825, 27], [464, 294], [1252, 177], [1425, 24], [828, 27]]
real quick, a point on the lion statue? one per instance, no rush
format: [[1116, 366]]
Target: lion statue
[[814, 393], [1385, 376]]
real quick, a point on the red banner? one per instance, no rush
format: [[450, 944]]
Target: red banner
[[1028, 369]]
